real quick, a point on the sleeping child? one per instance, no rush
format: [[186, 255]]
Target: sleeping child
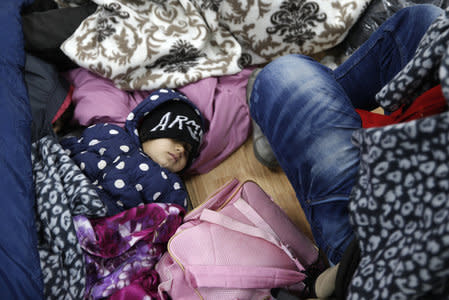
[[141, 162]]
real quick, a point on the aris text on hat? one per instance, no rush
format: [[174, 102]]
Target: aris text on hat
[[180, 121]]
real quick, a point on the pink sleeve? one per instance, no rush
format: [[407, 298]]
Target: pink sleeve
[[222, 100], [97, 100]]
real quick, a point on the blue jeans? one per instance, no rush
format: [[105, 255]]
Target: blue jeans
[[306, 111]]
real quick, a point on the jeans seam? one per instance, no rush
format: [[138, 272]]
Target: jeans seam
[[402, 52], [359, 58], [324, 243], [322, 200]]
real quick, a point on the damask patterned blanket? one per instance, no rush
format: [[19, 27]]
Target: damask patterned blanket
[[146, 45]]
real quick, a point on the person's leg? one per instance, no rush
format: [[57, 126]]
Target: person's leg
[[376, 62], [384, 54], [309, 120]]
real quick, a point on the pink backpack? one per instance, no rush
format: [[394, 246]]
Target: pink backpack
[[239, 244]]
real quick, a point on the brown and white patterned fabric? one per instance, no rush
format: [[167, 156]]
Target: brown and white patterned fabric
[[399, 206], [145, 45]]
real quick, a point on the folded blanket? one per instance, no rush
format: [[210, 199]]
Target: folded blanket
[[399, 205], [145, 45], [62, 191]]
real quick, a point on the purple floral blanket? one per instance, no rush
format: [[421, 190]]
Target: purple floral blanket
[[121, 251]]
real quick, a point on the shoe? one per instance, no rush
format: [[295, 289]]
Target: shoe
[[250, 84], [325, 283], [261, 147]]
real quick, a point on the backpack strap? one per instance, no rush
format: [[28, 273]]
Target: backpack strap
[[254, 217], [244, 276], [261, 228]]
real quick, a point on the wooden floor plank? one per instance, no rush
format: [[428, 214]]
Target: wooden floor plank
[[243, 165]]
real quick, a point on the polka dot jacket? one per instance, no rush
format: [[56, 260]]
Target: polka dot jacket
[[112, 157]]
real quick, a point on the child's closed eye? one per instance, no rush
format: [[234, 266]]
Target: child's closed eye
[[187, 147]]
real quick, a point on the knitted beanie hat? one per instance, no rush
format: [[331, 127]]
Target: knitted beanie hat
[[177, 120]]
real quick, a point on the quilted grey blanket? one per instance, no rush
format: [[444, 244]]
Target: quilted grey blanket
[[145, 45]]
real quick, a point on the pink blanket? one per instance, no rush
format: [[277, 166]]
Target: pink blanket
[[222, 100]]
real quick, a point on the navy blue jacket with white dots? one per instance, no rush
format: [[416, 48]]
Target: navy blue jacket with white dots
[[112, 157]]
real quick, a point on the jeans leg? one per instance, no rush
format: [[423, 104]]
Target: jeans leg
[[384, 54], [306, 111], [309, 120]]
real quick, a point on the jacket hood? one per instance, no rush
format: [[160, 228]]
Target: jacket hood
[[154, 100]]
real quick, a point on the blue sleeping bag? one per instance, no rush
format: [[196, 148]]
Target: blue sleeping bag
[[20, 272]]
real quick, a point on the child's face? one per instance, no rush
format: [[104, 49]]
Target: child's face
[[168, 153]]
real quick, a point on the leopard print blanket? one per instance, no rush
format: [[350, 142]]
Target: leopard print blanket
[[61, 191], [399, 206], [146, 45]]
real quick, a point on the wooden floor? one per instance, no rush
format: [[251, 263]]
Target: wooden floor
[[244, 166]]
